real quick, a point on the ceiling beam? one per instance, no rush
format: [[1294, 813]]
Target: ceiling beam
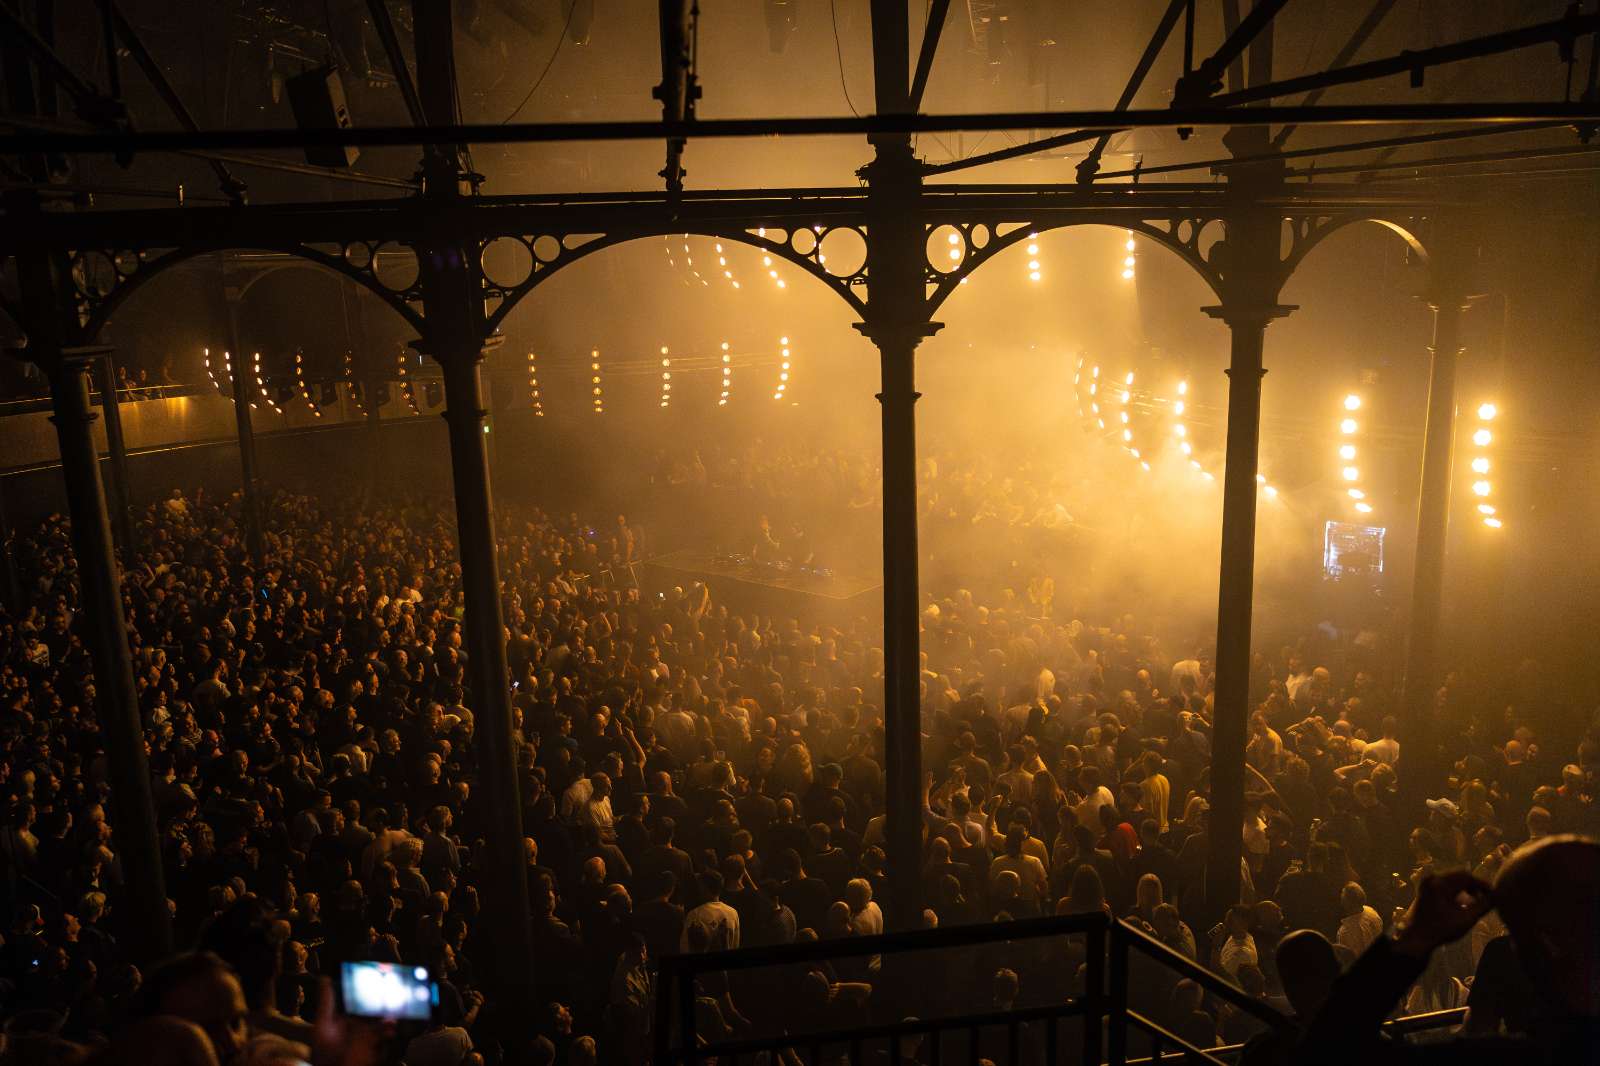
[[937, 12], [547, 132], [1563, 30], [1358, 39], [1141, 70]]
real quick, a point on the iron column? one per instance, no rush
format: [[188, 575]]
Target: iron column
[[896, 321], [243, 393], [101, 616], [455, 334], [116, 451], [1433, 526], [1247, 326]]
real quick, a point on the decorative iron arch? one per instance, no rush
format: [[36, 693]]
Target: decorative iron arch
[[982, 241], [1305, 234], [548, 253], [99, 295]]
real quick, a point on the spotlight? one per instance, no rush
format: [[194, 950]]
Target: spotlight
[[1482, 438], [1352, 402], [1487, 411]]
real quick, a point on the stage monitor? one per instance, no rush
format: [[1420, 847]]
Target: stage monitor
[[1349, 550]]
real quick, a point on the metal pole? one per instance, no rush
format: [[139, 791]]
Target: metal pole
[[452, 287], [505, 890], [243, 392], [1231, 712], [896, 321], [1433, 523], [116, 451], [8, 562], [116, 697]]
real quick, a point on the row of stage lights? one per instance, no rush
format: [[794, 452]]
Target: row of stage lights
[[1122, 394], [1482, 487], [1350, 434], [1352, 437], [725, 364]]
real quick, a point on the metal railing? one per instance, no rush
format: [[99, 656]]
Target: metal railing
[[1102, 1004]]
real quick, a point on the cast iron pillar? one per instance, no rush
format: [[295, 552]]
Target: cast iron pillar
[[1447, 299], [1252, 277], [117, 451], [456, 334], [102, 617], [243, 395], [897, 321], [10, 580]]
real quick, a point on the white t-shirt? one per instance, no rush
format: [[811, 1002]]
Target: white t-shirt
[[720, 921]]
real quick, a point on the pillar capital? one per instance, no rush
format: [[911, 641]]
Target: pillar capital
[[444, 352], [1247, 314], [912, 333]]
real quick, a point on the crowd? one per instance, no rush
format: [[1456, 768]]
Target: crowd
[[691, 779]]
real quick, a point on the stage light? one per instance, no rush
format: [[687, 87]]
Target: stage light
[[1481, 488], [1124, 417], [1352, 402], [1127, 434], [1261, 479], [1095, 372], [1347, 451], [599, 396], [1128, 244], [1183, 388], [1033, 249], [1480, 465], [1482, 438], [1364, 508], [1486, 508], [261, 386], [1124, 396], [1033, 276], [955, 238], [1181, 430], [1178, 407], [1487, 411], [1186, 448], [1351, 473], [1129, 379], [1493, 523], [1127, 275], [666, 374], [1128, 260], [533, 386], [1271, 491], [1355, 494], [1348, 426]]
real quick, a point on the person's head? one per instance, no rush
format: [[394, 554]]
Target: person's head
[[1307, 968], [1352, 898], [1005, 986], [1548, 894], [1148, 894], [1237, 920], [199, 987], [858, 893]]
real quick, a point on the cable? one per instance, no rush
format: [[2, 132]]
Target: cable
[[838, 51], [572, 9]]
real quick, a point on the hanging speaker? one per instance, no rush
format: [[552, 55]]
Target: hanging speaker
[[317, 99]]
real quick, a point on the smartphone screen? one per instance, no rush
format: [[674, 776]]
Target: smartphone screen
[[388, 990]]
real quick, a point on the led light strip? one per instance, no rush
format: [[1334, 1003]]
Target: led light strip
[[300, 384], [666, 378], [212, 374], [727, 272], [261, 386], [1180, 429], [1482, 487], [1349, 472], [1127, 258], [1033, 257], [1125, 399], [406, 388], [727, 374], [533, 386], [783, 368], [350, 381], [598, 392]]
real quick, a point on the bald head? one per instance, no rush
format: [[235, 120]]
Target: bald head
[[1548, 894]]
